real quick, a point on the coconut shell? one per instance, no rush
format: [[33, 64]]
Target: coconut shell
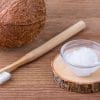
[[20, 21]]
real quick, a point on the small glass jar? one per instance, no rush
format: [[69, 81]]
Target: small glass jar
[[79, 70]]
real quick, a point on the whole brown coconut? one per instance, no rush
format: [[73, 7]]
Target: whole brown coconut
[[20, 21]]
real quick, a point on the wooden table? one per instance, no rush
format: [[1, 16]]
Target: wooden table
[[35, 81]]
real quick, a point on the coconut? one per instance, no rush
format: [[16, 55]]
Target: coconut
[[20, 21]]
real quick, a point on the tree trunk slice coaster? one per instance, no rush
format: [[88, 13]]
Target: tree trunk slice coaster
[[66, 79]]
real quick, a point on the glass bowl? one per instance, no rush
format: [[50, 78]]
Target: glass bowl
[[81, 70]]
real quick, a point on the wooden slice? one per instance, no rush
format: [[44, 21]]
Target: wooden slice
[[66, 79]]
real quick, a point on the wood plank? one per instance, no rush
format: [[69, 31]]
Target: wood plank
[[35, 81]]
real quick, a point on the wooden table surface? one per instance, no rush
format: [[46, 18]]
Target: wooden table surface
[[35, 81]]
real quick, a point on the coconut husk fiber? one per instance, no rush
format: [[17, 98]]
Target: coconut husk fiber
[[20, 21]]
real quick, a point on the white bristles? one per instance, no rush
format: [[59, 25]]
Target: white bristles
[[4, 76]]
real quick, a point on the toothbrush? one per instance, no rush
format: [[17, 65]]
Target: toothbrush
[[5, 73]]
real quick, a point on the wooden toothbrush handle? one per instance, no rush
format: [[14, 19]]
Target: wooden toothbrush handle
[[34, 54]]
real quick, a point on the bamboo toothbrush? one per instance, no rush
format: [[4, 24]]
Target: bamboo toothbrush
[[5, 73]]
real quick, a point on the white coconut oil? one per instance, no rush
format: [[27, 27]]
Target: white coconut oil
[[82, 60]]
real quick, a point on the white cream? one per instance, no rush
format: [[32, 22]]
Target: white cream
[[83, 57]]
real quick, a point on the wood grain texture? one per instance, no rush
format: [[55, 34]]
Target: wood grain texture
[[35, 80]]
